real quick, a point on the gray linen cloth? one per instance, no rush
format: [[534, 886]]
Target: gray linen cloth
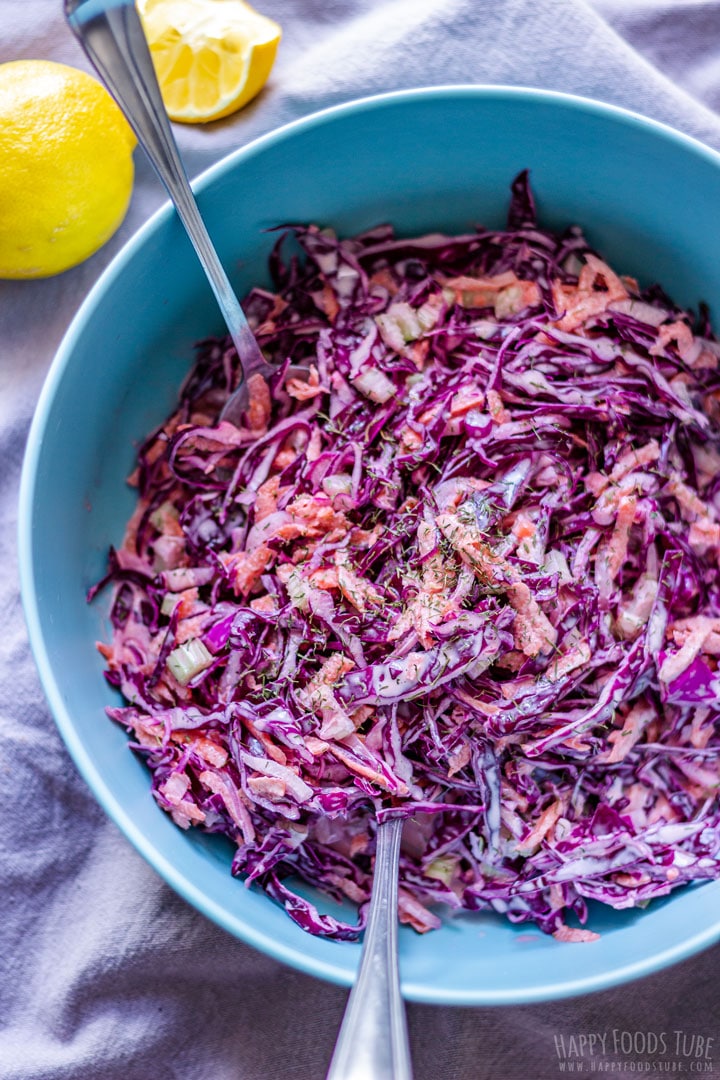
[[105, 972]]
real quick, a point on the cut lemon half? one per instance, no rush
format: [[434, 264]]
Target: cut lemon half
[[211, 56]]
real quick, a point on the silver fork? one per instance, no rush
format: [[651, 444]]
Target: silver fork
[[113, 38], [373, 1039]]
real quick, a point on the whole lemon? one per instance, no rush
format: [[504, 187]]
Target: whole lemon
[[66, 167]]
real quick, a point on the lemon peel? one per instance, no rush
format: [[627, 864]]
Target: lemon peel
[[66, 167]]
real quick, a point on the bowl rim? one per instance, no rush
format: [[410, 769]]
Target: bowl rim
[[234, 924]]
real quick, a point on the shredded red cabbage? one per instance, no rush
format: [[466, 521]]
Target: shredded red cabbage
[[461, 564]]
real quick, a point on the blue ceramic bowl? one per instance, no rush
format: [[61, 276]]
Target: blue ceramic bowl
[[427, 159]]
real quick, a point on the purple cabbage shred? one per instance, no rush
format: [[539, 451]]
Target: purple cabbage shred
[[460, 563]]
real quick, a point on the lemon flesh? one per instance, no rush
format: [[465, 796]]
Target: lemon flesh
[[211, 56], [66, 167]]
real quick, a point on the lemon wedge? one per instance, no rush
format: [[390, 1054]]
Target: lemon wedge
[[211, 56]]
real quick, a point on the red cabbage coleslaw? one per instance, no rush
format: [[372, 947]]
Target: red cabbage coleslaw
[[459, 564]]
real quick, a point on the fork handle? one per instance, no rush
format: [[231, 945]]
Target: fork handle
[[373, 1039], [113, 38]]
